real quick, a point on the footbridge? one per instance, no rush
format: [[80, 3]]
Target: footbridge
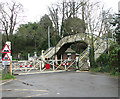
[[99, 43]]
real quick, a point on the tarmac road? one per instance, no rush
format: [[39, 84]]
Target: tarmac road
[[65, 84]]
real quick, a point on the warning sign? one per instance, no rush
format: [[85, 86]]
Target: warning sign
[[6, 58], [6, 49]]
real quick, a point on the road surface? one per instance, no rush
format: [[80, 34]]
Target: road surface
[[65, 84]]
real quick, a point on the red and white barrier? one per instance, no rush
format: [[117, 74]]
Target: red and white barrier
[[65, 64], [25, 66]]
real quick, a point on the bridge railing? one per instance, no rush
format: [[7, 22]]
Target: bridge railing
[[49, 49]]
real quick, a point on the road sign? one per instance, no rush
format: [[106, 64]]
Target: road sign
[[47, 66], [6, 62], [6, 58], [6, 49]]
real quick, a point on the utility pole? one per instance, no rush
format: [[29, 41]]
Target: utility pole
[[48, 37], [119, 7]]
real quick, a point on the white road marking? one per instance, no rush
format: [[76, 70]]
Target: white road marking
[[37, 95], [6, 89], [24, 90], [30, 90]]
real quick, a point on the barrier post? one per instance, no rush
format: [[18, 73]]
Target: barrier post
[[11, 68], [40, 65], [53, 65], [65, 67]]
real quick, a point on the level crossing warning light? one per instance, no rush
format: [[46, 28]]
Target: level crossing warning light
[[6, 49], [6, 58], [47, 66]]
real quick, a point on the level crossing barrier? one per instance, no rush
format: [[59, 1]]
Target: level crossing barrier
[[26, 66]]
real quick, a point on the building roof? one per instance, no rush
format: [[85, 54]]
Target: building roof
[[69, 50]]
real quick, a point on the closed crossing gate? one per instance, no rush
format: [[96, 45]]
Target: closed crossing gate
[[40, 66]]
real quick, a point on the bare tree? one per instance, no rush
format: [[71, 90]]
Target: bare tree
[[92, 13], [62, 11], [96, 18], [10, 13], [105, 26], [97, 21], [54, 17]]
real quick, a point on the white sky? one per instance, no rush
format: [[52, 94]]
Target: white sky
[[35, 9]]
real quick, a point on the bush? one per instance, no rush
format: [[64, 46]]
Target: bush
[[98, 69], [109, 63], [103, 59], [92, 58]]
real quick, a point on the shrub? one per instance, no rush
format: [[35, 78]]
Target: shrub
[[109, 63]]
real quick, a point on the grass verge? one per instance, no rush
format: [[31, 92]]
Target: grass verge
[[101, 70], [6, 76]]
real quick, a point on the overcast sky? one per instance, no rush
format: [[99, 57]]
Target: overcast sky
[[35, 9]]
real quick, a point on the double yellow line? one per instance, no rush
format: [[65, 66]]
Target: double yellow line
[[6, 82]]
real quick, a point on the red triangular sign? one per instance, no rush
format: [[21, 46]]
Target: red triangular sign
[[6, 58], [6, 49]]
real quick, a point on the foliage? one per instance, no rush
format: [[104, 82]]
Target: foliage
[[72, 17], [109, 62], [98, 69], [7, 76], [118, 37], [73, 26], [113, 58], [103, 59], [116, 21], [10, 14], [92, 59], [91, 55], [32, 37], [79, 47]]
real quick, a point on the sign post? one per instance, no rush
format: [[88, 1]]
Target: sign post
[[7, 59]]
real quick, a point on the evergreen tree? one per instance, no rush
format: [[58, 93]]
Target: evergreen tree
[[117, 30]]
